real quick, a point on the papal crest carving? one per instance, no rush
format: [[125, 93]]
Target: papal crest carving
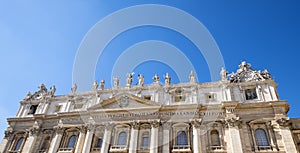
[[124, 101]]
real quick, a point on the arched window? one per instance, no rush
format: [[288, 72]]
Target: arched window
[[122, 139], [261, 137], [99, 143], [19, 144], [72, 141], [215, 139], [145, 139], [181, 139]]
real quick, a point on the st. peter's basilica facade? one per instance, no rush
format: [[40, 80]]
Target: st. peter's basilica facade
[[241, 113]]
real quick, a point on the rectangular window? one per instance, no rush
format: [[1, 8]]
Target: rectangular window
[[147, 97], [58, 108], [179, 98], [145, 141], [251, 94], [210, 96], [32, 109], [78, 106], [297, 126]]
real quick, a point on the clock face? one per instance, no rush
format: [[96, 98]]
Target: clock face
[[247, 76]]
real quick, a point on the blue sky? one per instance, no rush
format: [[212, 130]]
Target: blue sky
[[39, 42]]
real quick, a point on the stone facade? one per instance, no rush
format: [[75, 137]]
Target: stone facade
[[241, 113]]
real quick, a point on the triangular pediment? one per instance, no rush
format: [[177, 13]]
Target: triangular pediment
[[124, 101]]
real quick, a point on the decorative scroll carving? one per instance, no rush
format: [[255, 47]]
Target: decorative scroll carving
[[246, 74]]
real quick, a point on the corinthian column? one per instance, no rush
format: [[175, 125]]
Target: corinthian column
[[8, 135], [80, 140], [106, 138], [286, 135], [166, 136], [88, 138], [30, 141], [56, 140], [233, 135], [196, 137], [154, 136], [133, 137]]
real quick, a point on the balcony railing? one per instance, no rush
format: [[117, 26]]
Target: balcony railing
[[218, 149], [264, 148], [65, 150], [95, 150], [118, 148], [42, 151], [144, 149], [183, 148]]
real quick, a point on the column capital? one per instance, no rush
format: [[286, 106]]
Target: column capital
[[232, 122], [167, 125], [196, 122], [90, 127], [135, 124], [59, 129], [283, 122], [8, 133], [109, 125], [154, 123], [33, 131], [83, 129]]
